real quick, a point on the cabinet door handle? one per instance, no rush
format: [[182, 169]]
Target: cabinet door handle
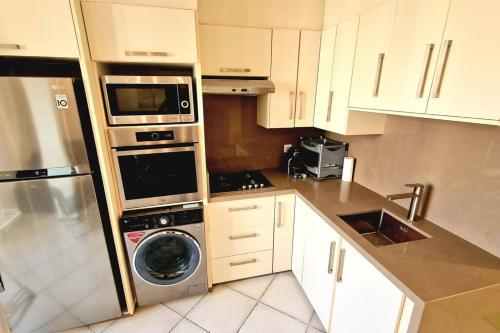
[[7, 46], [146, 53], [331, 257], [245, 262], [442, 68], [330, 101], [243, 236], [378, 74], [341, 265], [425, 70], [280, 218], [292, 104], [2, 287], [234, 70], [301, 113], [238, 209]]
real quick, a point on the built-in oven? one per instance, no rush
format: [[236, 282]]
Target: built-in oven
[[139, 100], [156, 166]]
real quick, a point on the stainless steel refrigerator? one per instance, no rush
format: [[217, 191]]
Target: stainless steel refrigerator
[[54, 262]]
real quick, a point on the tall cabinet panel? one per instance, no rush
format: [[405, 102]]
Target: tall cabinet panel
[[412, 56], [307, 78], [343, 59], [374, 33], [323, 93], [467, 80]]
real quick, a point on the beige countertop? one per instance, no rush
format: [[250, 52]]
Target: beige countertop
[[426, 270]]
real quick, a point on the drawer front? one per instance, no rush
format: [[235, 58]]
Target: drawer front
[[242, 240], [235, 214], [242, 266]]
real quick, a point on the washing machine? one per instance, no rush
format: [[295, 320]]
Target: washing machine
[[166, 252]]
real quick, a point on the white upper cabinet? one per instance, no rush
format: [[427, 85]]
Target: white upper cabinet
[[307, 78], [129, 33], [374, 33], [409, 64], [323, 94], [233, 51], [467, 79], [362, 289], [37, 28]]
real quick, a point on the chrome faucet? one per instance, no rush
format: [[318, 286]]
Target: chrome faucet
[[416, 197]]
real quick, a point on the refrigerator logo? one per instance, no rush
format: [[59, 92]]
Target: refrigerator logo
[[62, 102], [135, 236]]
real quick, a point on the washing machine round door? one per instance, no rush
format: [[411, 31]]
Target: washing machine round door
[[167, 258]]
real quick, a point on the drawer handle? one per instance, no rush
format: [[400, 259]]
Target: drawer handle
[[378, 74], [235, 70], [146, 53], [238, 209], [425, 70], [243, 236], [292, 106], [341, 265], [245, 262], [330, 101], [331, 257], [7, 46], [442, 68]]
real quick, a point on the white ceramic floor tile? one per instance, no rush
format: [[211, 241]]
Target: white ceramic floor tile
[[185, 326], [286, 295], [222, 311], [156, 318], [101, 327], [311, 329], [253, 287], [264, 319], [316, 323], [184, 305], [83, 329]]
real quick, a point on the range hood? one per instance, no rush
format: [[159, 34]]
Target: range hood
[[254, 87]]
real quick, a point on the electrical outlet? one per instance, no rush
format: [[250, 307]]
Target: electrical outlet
[[286, 147]]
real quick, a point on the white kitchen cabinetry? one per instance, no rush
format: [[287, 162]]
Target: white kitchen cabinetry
[[307, 78], [374, 34], [299, 236], [409, 64], [130, 33], [362, 289], [467, 79], [323, 93], [277, 110], [234, 51], [37, 28], [283, 232]]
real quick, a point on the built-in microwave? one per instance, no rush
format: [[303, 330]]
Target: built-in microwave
[[156, 166], [139, 100]]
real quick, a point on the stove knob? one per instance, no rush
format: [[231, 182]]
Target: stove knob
[[250, 186], [244, 187], [155, 136], [262, 185], [163, 220]]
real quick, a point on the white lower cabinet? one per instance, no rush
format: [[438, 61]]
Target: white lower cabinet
[[242, 266], [299, 236], [283, 232]]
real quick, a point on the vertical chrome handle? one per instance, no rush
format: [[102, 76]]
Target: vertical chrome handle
[[441, 69], [341, 265], [2, 287], [331, 257], [378, 74], [301, 113], [292, 104], [7, 46], [280, 218], [330, 101], [425, 70]]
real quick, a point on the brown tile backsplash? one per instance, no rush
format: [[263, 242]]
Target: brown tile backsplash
[[235, 142], [458, 162]]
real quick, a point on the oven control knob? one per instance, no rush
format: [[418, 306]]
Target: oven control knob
[[184, 104], [155, 136], [163, 220]]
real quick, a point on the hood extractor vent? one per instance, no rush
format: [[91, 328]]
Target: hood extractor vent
[[237, 87]]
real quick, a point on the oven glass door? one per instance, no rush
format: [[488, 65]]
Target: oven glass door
[[143, 99], [157, 176]]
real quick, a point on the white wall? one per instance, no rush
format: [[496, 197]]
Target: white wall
[[293, 14]]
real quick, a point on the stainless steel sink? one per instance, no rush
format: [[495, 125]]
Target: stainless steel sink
[[381, 228]]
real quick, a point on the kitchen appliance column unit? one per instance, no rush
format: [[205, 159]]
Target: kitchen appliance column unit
[[54, 262], [157, 166]]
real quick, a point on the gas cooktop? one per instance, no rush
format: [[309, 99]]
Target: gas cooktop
[[237, 181]]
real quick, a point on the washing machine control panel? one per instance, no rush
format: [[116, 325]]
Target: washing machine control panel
[[160, 219]]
